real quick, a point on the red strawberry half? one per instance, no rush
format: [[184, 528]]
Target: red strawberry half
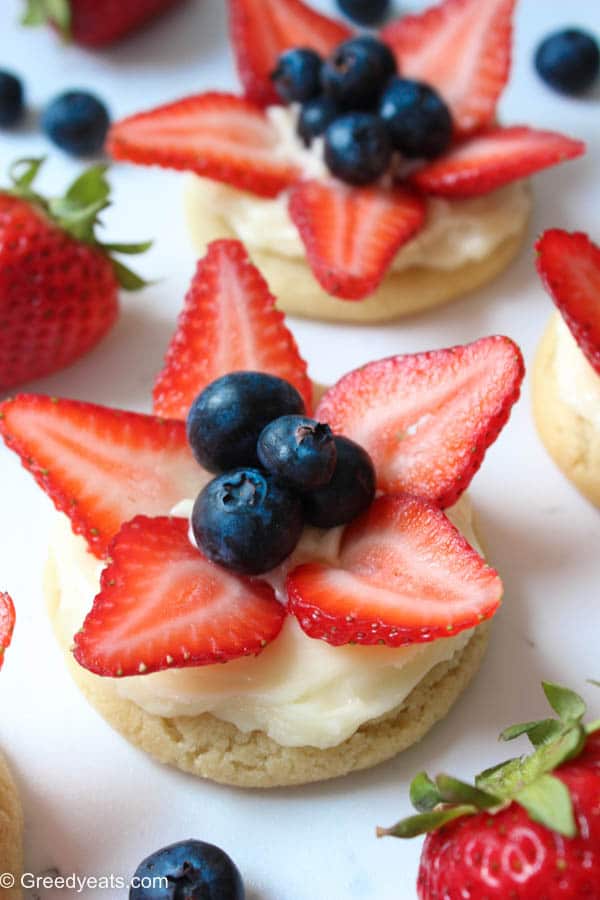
[[463, 49], [569, 266], [101, 466], [491, 160], [221, 136], [406, 575], [163, 605], [351, 235], [7, 623], [262, 29], [229, 323], [427, 419]]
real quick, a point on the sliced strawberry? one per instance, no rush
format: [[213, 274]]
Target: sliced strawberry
[[262, 29], [228, 324], [352, 235], [405, 576], [427, 419], [491, 160], [101, 466], [7, 623], [163, 605], [462, 48], [221, 136], [569, 266]]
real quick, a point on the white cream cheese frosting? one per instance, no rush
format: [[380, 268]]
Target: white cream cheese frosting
[[456, 232], [300, 691], [578, 383]]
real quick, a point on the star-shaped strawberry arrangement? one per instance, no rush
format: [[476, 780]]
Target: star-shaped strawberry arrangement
[[400, 439], [406, 117]]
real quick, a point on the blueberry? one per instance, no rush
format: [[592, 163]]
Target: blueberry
[[76, 122], [365, 12], [298, 450], [297, 76], [357, 72], [226, 419], [11, 98], [350, 491], [417, 119], [315, 117], [357, 148], [247, 521], [190, 870], [568, 61]]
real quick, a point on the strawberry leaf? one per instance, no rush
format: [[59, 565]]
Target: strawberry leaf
[[548, 802], [90, 187], [538, 732], [568, 705], [39, 12], [451, 790], [508, 779], [130, 249], [127, 279], [424, 795], [426, 822]]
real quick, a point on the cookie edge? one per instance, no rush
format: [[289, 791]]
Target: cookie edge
[[572, 441]]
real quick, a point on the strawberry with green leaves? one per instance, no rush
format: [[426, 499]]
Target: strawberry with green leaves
[[527, 829], [95, 23], [59, 284]]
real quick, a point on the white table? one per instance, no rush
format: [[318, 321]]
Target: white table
[[94, 804]]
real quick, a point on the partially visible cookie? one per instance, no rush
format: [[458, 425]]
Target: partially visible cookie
[[11, 828], [401, 293], [572, 440], [211, 748]]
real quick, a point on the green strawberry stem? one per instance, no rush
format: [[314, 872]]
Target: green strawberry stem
[[57, 12], [525, 780], [78, 212]]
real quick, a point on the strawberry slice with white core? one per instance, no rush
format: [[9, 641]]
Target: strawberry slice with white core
[[491, 160], [427, 419], [217, 135], [262, 29], [101, 466], [405, 576], [7, 623], [228, 324], [163, 605], [463, 49], [351, 234], [569, 266]]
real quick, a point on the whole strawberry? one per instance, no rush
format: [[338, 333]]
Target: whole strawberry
[[528, 829], [95, 23], [58, 284]]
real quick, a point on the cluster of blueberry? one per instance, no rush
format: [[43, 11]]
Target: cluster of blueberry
[[363, 108], [280, 471], [75, 121]]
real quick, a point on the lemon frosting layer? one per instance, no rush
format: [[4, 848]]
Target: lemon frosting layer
[[578, 383], [300, 691], [456, 231]]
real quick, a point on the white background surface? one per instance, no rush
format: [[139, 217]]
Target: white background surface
[[93, 804]]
